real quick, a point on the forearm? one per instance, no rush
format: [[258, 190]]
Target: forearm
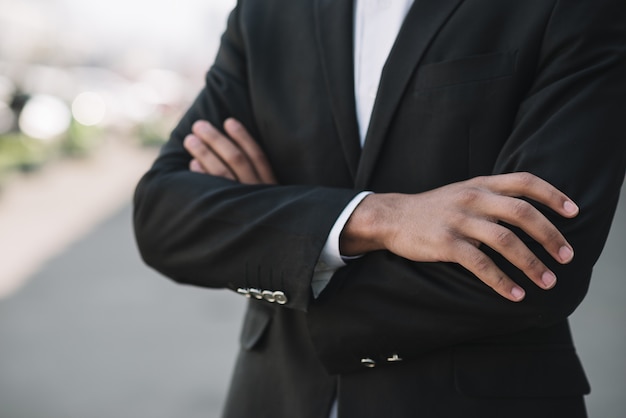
[[211, 232]]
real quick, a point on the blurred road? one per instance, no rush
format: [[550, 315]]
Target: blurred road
[[94, 333]]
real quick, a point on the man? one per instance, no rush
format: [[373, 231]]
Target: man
[[494, 150]]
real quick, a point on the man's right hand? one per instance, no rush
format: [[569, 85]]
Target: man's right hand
[[446, 224], [449, 223]]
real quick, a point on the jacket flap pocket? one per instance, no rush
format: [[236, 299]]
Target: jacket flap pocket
[[514, 372], [464, 70], [255, 323]]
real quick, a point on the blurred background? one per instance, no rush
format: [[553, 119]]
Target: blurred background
[[88, 91]]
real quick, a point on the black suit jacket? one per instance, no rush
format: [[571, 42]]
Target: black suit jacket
[[471, 87]]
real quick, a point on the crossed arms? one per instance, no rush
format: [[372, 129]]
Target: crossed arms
[[444, 225], [198, 226]]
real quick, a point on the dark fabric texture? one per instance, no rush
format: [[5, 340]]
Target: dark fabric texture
[[471, 88]]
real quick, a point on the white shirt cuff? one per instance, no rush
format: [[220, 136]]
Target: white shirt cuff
[[331, 259]]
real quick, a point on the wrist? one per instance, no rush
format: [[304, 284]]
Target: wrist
[[370, 226]]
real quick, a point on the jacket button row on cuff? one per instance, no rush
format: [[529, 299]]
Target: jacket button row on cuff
[[267, 295]]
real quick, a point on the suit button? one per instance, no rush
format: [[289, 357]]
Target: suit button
[[280, 298], [244, 292], [368, 362], [256, 293], [394, 358], [268, 296]]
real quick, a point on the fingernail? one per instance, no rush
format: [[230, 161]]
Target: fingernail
[[206, 128], [192, 141], [549, 279], [566, 254], [203, 126], [517, 293], [570, 207]]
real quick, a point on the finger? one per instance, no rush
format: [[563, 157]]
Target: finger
[[207, 158], [486, 270], [196, 167], [511, 247], [525, 216], [535, 188], [239, 134], [227, 151]]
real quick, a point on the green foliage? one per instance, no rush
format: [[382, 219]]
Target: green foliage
[[20, 152], [81, 140]]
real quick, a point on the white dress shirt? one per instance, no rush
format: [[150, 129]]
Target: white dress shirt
[[376, 27]]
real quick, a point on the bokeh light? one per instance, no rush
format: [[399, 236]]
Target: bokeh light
[[45, 117], [89, 108]]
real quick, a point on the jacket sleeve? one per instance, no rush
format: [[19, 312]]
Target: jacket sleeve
[[570, 130], [207, 231]]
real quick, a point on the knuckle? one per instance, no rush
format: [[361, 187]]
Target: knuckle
[[481, 263], [553, 234], [533, 263], [469, 195], [479, 180], [499, 282], [525, 179], [521, 209], [505, 238]]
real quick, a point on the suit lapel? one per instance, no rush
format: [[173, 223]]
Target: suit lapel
[[420, 26], [334, 26]]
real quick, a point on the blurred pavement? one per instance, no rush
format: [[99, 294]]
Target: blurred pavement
[[94, 333]]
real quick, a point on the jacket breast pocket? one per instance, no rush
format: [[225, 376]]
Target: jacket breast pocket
[[519, 372], [255, 324], [470, 69]]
